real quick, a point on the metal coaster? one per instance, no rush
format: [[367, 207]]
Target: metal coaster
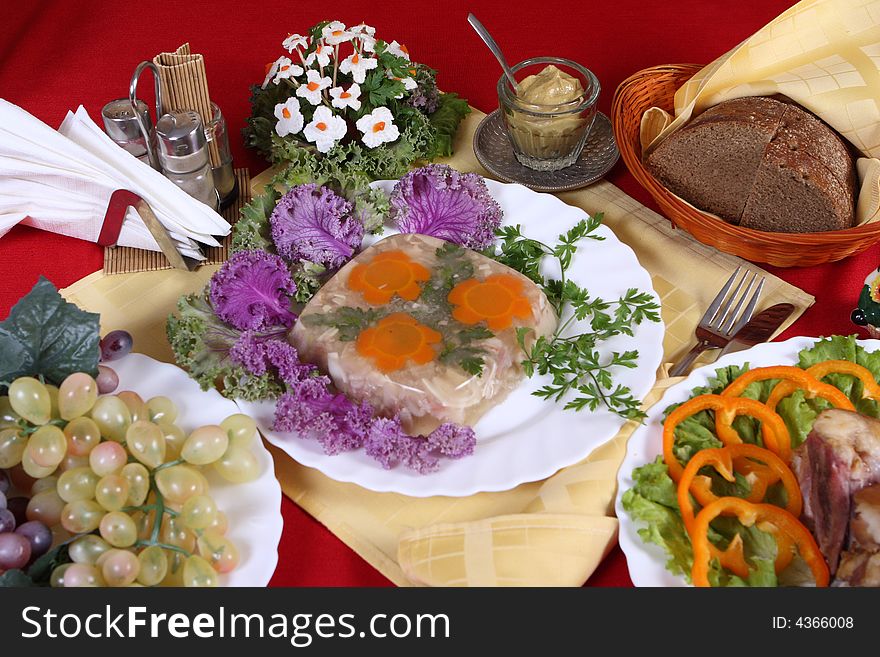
[[493, 150]]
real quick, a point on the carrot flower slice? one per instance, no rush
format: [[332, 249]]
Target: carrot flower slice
[[496, 301], [396, 339], [389, 273]]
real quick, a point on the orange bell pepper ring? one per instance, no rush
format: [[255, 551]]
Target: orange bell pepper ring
[[863, 374], [792, 378], [820, 370], [774, 431], [768, 517], [727, 460]]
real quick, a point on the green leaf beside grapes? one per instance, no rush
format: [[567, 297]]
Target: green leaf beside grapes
[[46, 336], [39, 572]]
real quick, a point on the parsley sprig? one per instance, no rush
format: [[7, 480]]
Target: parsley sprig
[[581, 377]]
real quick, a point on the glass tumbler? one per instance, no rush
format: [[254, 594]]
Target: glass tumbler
[[548, 137]]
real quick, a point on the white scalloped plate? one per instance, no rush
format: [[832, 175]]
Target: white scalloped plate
[[254, 508], [524, 438], [646, 562]]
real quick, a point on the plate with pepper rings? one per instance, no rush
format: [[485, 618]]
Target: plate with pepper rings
[[800, 364]]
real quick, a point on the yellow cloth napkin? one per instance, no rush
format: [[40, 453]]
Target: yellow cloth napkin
[[824, 55], [553, 532]]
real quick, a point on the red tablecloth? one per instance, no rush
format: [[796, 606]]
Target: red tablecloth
[[55, 55]]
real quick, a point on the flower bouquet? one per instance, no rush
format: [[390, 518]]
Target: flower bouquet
[[343, 108]]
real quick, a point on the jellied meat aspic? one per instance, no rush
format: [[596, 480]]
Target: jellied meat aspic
[[424, 329]]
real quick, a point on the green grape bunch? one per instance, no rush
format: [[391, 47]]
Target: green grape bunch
[[119, 484]]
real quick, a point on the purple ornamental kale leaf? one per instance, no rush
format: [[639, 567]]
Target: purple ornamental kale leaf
[[257, 354], [310, 409], [315, 224], [452, 440], [439, 201], [389, 444], [252, 291]]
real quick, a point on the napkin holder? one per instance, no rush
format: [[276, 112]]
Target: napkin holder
[[120, 201]]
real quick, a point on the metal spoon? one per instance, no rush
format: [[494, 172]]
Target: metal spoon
[[489, 41]]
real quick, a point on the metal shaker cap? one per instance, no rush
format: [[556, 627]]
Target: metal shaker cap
[[120, 122], [181, 140]]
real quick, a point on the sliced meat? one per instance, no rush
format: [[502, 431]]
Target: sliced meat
[[865, 526], [840, 457], [860, 565], [859, 568]]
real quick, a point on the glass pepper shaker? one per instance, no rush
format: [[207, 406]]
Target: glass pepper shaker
[[183, 154]]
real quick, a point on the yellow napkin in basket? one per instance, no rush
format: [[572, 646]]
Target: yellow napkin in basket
[[824, 55], [542, 533]]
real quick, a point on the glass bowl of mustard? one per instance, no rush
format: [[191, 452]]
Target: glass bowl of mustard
[[549, 114]]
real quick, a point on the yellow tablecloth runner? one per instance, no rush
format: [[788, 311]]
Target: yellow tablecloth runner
[[823, 54], [546, 533]]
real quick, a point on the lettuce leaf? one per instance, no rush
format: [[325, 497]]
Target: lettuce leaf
[[445, 121], [839, 347], [651, 503]]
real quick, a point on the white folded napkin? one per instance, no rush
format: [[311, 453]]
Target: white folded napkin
[[61, 181]]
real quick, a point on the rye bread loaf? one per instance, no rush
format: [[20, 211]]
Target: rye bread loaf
[[762, 163]]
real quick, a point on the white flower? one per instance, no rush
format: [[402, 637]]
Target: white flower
[[398, 49], [335, 33], [363, 28], [311, 90], [271, 70], [408, 83], [294, 41], [290, 119], [358, 66], [368, 43], [322, 54], [346, 98], [325, 129], [287, 69], [378, 127]]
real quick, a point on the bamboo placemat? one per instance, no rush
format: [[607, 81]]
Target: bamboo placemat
[[126, 260]]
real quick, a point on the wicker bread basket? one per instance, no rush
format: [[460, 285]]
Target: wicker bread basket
[[655, 87]]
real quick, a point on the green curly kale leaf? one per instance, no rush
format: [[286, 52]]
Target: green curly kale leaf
[[201, 344], [252, 230]]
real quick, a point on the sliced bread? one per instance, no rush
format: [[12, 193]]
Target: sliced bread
[[762, 163]]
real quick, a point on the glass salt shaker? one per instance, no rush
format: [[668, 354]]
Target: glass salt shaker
[[183, 154], [121, 125]]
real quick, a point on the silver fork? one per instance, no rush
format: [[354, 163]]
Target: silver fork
[[723, 318]]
